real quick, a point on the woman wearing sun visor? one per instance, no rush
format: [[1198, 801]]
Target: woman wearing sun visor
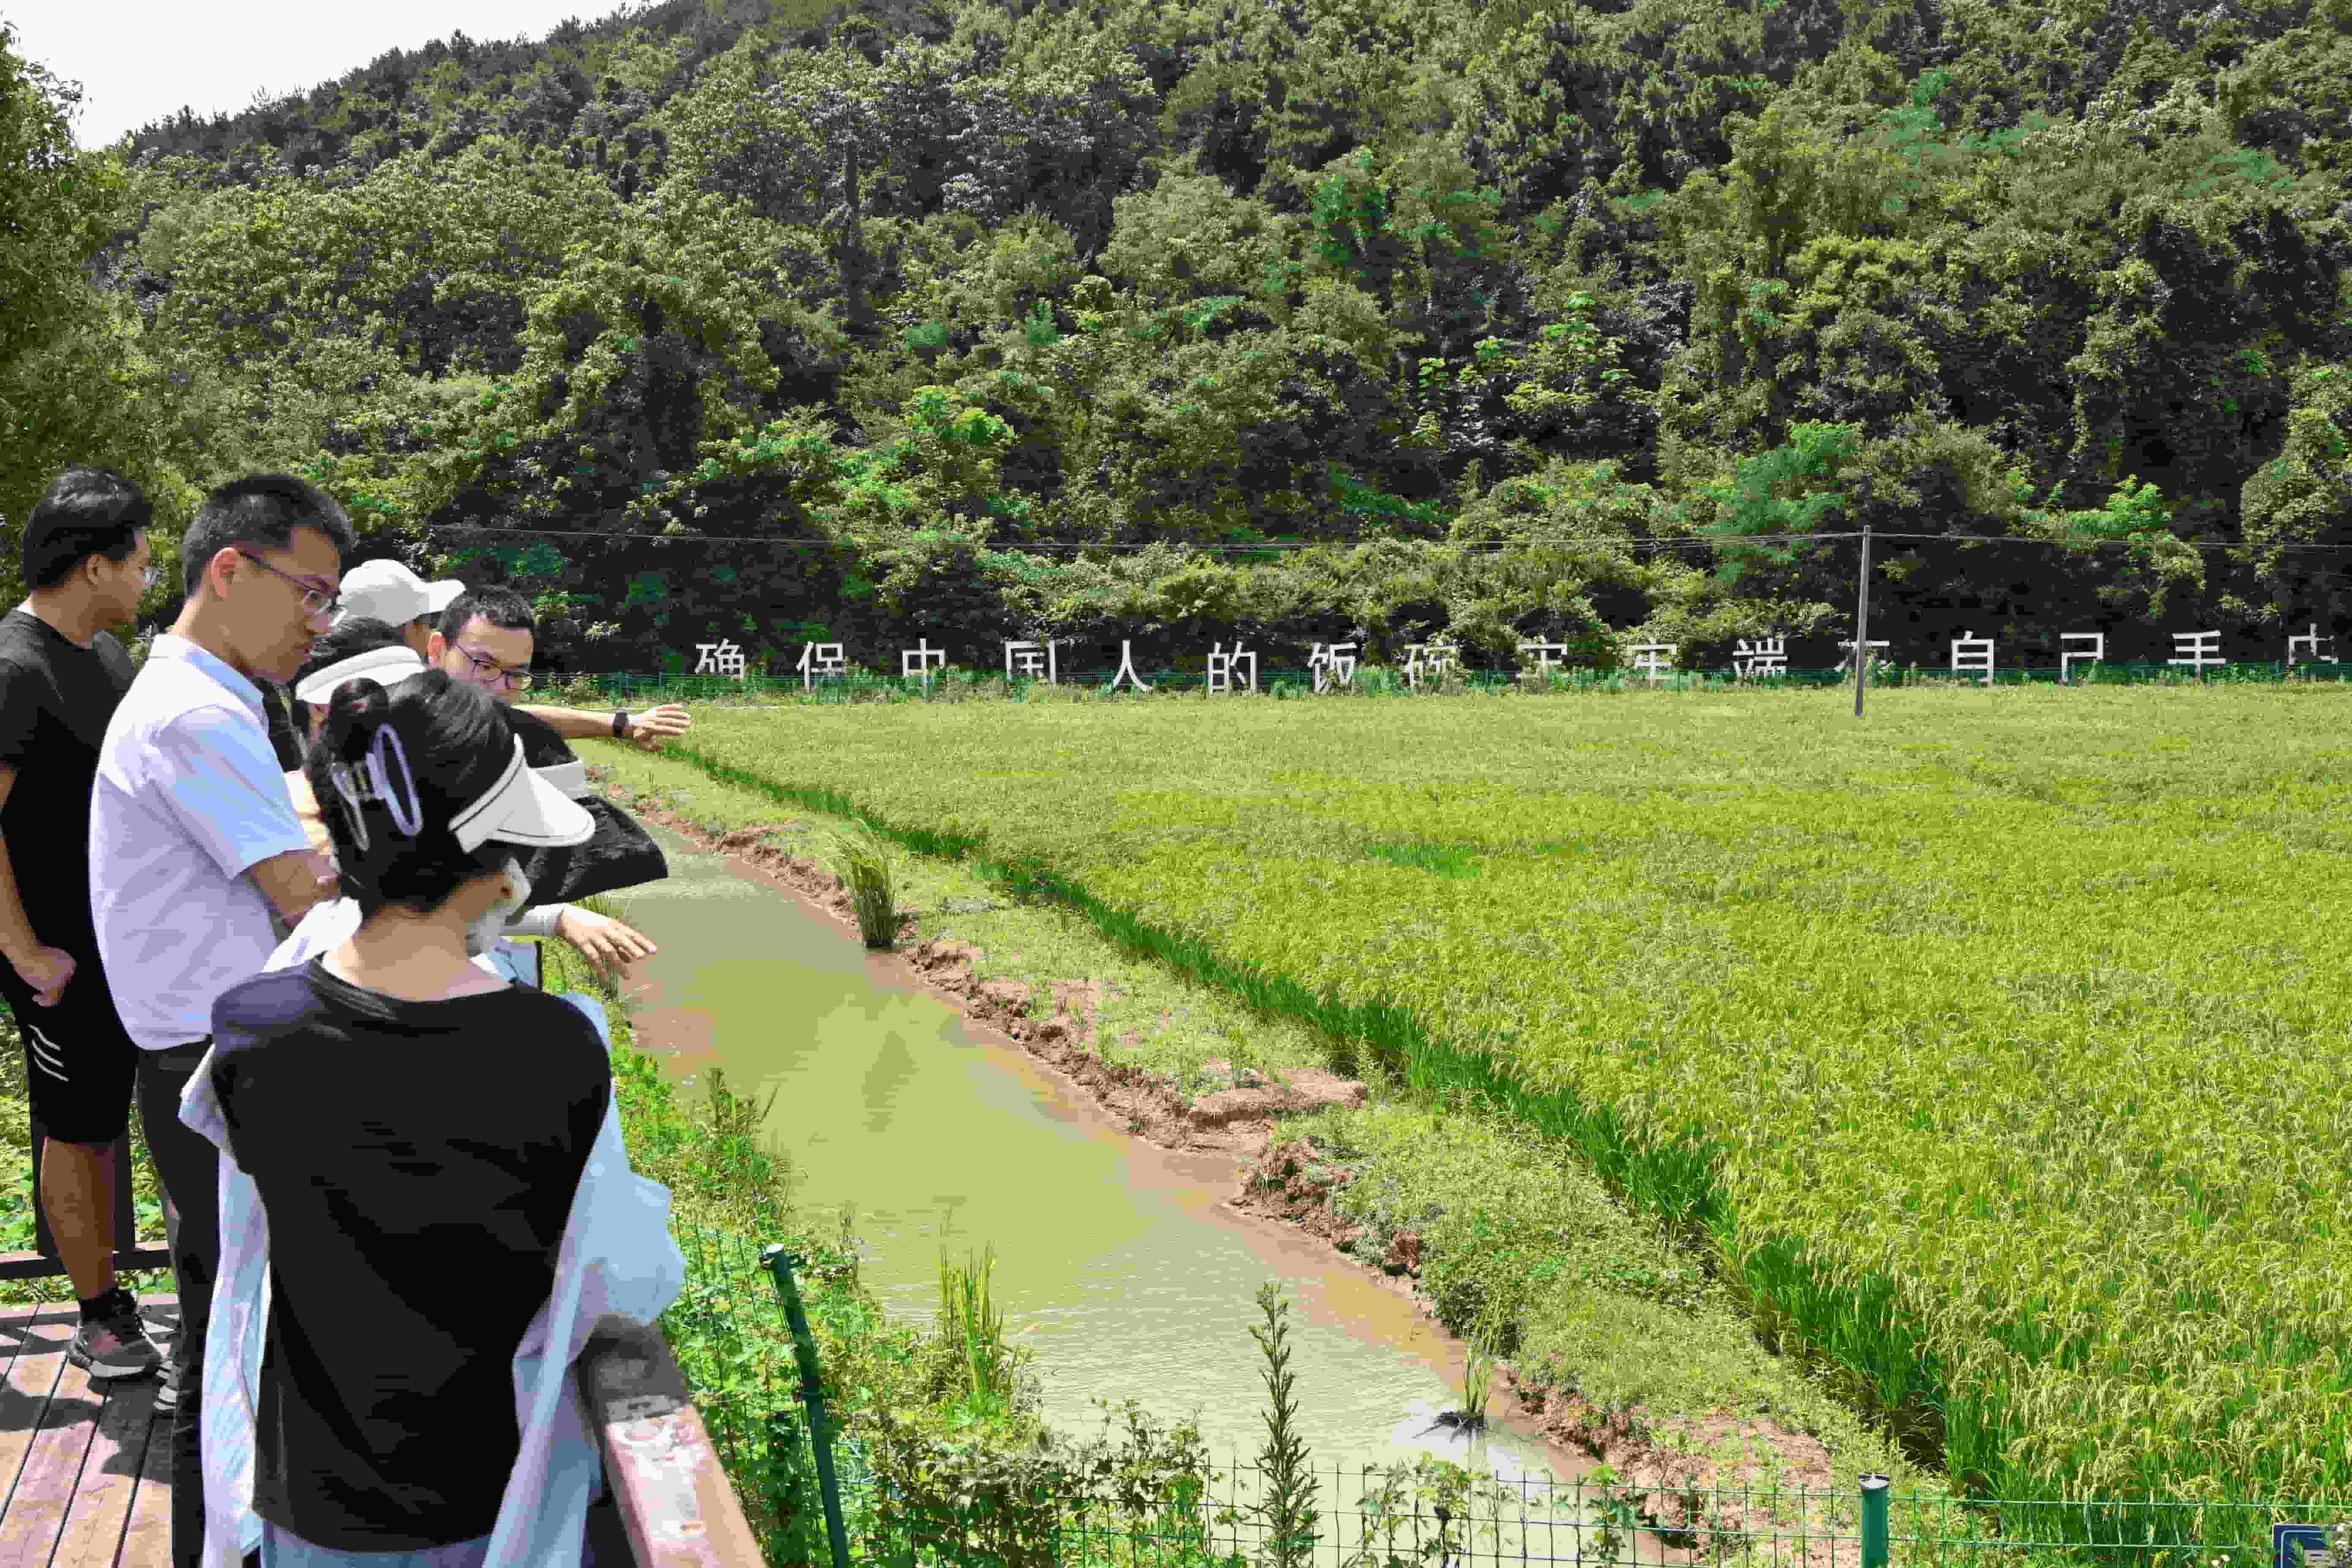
[[619, 855], [425, 1202]]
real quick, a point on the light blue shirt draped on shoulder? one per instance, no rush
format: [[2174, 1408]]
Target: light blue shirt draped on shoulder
[[617, 1255]]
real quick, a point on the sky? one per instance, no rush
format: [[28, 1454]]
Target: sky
[[139, 60]]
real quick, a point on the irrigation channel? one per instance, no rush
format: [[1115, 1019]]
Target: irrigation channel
[[1117, 1261]]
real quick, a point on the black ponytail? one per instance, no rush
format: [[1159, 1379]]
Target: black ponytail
[[444, 728]]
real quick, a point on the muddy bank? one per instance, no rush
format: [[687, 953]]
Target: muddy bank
[[1288, 1180]]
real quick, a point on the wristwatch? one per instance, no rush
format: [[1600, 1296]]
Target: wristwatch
[[620, 725]]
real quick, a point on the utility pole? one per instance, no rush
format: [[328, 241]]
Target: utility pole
[[1861, 623]]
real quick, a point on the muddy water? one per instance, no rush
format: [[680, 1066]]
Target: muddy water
[[1116, 1260]]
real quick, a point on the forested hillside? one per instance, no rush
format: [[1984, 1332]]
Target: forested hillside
[[1509, 312]]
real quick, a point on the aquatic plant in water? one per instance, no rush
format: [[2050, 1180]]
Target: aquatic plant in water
[[968, 1316], [863, 864]]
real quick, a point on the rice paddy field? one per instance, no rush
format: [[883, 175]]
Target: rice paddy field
[[1995, 1045]]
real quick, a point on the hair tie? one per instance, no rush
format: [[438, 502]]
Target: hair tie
[[408, 815]]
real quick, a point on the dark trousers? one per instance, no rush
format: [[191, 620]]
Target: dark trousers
[[188, 1166]]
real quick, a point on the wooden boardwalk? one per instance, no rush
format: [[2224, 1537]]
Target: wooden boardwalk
[[85, 1470]]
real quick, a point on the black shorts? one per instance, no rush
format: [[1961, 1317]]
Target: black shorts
[[79, 1062]]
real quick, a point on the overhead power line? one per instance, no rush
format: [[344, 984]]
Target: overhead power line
[[1709, 541]]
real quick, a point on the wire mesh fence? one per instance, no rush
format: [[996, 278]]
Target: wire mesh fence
[[898, 1496]]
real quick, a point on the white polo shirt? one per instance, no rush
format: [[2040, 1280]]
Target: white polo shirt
[[188, 797]]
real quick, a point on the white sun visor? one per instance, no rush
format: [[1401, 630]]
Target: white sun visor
[[522, 808], [570, 778], [382, 665]]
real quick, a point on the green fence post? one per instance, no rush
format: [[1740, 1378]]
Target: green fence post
[[780, 1262], [1873, 1522]]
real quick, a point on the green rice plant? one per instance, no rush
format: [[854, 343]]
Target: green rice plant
[[862, 861], [1480, 1353], [1969, 1043], [969, 1319]]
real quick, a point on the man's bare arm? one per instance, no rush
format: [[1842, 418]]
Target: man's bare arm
[[294, 883], [17, 936], [46, 970], [307, 812]]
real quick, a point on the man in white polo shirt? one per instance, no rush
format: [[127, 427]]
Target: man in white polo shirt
[[194, 849]]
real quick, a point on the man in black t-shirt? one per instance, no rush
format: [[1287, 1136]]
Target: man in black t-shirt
[[61, 676]]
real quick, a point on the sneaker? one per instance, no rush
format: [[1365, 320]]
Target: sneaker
[[114, 1344], [167, 1390]]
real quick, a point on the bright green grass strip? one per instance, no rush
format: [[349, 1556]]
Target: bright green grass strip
[[1991, 1019]]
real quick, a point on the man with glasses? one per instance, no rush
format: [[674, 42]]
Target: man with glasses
[[389, 592], [195, 854], [62, 674], [485, 638]]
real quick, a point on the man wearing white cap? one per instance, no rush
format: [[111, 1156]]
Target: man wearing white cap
[[389, 592]]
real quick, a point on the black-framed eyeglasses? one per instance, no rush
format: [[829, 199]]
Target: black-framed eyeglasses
[[492, 671], [315, 599]]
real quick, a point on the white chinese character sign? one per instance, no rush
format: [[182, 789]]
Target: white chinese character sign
[[1127, 669], [1972, 654], [1034, 659], [2067, 657], [721, 657], [1765, 655], [921, 659], [1845, 660], [2312, 640], [2200, 648], [1431, 658], [1545, 662], [820, 658], [1646, 659], [1333, 666], [1221, 667]]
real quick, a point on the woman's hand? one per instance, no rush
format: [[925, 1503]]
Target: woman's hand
[[602, 939]]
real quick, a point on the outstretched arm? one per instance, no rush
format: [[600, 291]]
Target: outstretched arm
[[648, 728]]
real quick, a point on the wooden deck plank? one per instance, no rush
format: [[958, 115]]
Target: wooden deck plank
[[33, 1371], [109, 1476], [147, 1534], [101, 1502], [53, 1460], [73, 1457]]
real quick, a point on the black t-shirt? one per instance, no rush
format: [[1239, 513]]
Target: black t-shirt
[[55, 700], [278, 706], [417, 1162]]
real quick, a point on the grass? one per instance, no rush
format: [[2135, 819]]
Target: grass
[[1883, 1023]]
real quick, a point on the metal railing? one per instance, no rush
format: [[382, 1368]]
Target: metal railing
[[129, 1253], [676, 1506]]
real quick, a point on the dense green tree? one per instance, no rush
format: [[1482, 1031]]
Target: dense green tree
[[902, 295]]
